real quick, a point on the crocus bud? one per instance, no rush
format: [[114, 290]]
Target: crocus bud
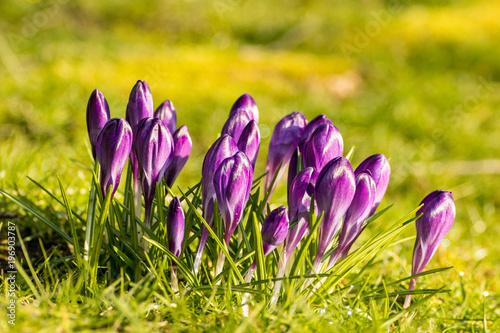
[[310, 128], [113, 148], [223, 148], [166, 113], [236, 122], [283, 142], [140, 104], [324, 145], [249, 141], [380, 170], [438, 215], [274, 229], [175, 227], [299, 203], [97, 116], [334, 192], [356, 215], [153, 145], [232, 184], [247, 102], [182, 150]]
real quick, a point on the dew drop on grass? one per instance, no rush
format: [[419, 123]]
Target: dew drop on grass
[[486, 294], [349, 313], [461, 273]]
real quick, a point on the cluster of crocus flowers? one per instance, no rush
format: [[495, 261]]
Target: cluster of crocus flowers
[[155, 146], [319, 178]]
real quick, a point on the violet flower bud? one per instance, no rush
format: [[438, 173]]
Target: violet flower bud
[[232, 184], [223, 148], [140, 104], [334, 192], [97, 116], [299, 203], [246, 101], [324, 145], [356, 215], [249, 141], [438, 215], [283, 142], [166, 113], [153, 145], [236, 122], [380, 170], [274, 229], [113, 148], [175, 227], [310, 128], [182, 150]]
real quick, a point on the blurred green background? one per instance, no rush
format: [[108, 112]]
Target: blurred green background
[[415, 80]]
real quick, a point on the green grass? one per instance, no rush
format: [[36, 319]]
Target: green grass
[[422, 89]]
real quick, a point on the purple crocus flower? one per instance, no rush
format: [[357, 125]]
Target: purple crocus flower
[[293, 168], [334, 192], [182, 150], [274, 229], [324, 145], [283, 142], [175, 227], [236, 122], [310, 128], [97, 116], [153, 145], [166, 113], [232, 184], [356, 215], [223, 148], [113, 148], [249, 141], [299, 203], [380, 170], [140, 106], [438, 214], [246, 102]]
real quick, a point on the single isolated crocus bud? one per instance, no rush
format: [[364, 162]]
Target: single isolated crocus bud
[[299, 202], [175, 227], [236, 122], [310, 128], [356, 215], [97, 116], [249, 141], [153, 145], [334, 192], [232, 184], [166, 113], [324, 145], [246, 101], [182, 150], [274, 229], [283, 142], [113, 148], [438, 214], [380, 170]]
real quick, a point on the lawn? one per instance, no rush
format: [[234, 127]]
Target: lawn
[[415, 80]]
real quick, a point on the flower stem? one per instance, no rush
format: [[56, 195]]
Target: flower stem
[[173, 279], [413, 282], [277, 285], [199, 253]]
